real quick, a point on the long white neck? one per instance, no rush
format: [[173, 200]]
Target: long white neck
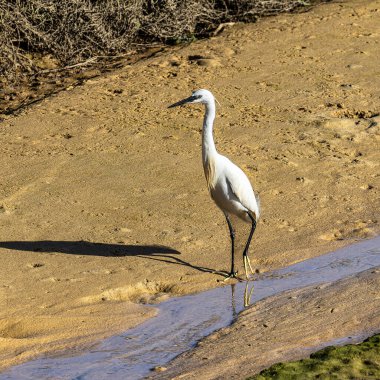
[[208, 145]]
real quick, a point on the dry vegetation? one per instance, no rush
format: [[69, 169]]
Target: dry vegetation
[[49, 45], [46, 34]]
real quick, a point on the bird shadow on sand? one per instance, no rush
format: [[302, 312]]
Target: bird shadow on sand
[[84, 248]]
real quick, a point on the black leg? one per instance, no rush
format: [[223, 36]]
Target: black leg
[[253, 227], [232, 235], [245, 253]]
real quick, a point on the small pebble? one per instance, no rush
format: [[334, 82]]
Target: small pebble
[[159, 368]]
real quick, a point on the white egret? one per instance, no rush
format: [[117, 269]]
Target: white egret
[[228, 185]]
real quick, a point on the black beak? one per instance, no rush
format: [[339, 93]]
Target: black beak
[[183, 101]]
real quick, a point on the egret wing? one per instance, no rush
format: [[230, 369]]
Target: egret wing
[[241, 187]]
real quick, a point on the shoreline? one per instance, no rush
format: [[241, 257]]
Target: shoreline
[[286, 327], [330, 270]]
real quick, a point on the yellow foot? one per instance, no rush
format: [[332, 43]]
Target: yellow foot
[[232, 275]]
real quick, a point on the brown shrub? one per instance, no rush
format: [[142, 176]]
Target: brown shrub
[[71, 31]]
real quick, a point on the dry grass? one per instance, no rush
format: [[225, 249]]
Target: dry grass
[[72, 31]]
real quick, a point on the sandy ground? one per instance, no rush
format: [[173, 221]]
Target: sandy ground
[[103, 204], [285, 327]]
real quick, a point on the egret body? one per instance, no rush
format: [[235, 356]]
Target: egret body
[[228, 185]]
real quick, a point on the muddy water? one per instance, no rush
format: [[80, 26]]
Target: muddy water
[[182, 321]]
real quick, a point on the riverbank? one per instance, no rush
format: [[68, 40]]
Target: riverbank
[[288, 326]]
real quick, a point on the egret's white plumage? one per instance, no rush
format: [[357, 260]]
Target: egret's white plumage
[[228, 185]]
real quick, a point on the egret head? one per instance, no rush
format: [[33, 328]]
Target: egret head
[[198, 96]]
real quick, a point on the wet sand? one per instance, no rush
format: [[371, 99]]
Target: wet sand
[[103, 204], [288, 326]]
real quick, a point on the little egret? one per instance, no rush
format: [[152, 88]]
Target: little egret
[[228, 185]]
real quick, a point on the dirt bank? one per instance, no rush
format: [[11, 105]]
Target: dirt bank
[[103, 204], [285, 327]]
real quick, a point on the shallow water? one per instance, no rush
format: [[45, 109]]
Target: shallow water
[[182, 321]]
